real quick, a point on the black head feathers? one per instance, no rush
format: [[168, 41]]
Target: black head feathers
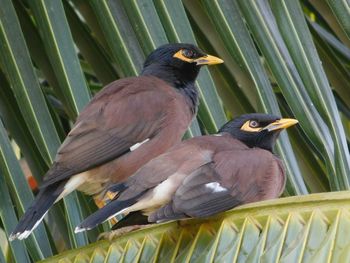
[[257, 129], [177, 63]]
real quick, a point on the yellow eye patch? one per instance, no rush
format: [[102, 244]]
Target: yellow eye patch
[[247, 127], [180, 55], [255, 126], [204, 60]]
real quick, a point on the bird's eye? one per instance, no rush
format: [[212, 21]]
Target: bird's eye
[[188, 53], [253, 124]]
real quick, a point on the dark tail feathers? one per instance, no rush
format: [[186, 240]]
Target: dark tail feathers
[[36, 212], [106, 212]]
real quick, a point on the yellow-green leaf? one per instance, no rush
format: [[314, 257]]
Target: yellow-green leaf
[[310, 228]]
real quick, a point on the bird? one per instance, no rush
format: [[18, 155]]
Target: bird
[[204, 175], [126, 124]]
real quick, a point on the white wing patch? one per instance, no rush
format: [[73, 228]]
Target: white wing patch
[[216, 187], [137, 145]]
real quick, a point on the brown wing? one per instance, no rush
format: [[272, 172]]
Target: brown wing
[[181, 160], [159, 169], [126, 112], [233, 178]]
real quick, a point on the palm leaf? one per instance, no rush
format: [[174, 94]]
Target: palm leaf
[[315, 80], [89, 47], [341, 10], [38, 244], [53, 26], [16, 62], [264, 27], [310, 228], [53, 54]]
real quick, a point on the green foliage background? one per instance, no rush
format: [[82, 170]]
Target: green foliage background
[[281, 56]]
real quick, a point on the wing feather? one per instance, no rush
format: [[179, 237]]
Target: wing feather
[[112, 122], [233, 178]]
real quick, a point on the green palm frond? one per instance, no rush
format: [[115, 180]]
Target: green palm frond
[[310, 228], [284, 57]]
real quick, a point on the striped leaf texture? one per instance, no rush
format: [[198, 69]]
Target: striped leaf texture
[[311, 228], [286, 57]]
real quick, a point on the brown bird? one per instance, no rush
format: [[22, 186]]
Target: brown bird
[[129, 122], [204, 175]]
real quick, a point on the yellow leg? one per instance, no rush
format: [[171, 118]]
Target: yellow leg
[[109, 196], [101, 203]]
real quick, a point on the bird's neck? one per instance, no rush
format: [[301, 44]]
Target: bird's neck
[[184, 84], [191, 94]]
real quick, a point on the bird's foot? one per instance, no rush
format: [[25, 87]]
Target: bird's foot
[[121, 231]]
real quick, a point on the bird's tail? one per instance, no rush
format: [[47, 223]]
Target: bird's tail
[[112, 209], [36, 212]]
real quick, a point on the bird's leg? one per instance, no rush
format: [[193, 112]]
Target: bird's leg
[[103, 198], [121, 231], [99, 202], [110, 195]]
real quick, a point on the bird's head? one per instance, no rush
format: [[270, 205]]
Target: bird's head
[[257, 129], [177, 63]]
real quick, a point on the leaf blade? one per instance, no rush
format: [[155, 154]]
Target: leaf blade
[[38, 245], [284, 225], [303, 52], [15, 60], [53, 26], [341, 10]]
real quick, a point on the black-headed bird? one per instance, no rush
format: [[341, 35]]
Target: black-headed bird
[[128, 123], [204, 175]]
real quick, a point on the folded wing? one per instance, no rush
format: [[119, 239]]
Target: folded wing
[[109, 126], [233, 178]]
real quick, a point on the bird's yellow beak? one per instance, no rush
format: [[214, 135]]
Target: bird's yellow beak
[[280, 124], [208, 60]]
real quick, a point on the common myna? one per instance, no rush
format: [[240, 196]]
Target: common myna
[[204, 175], [128, 123]]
